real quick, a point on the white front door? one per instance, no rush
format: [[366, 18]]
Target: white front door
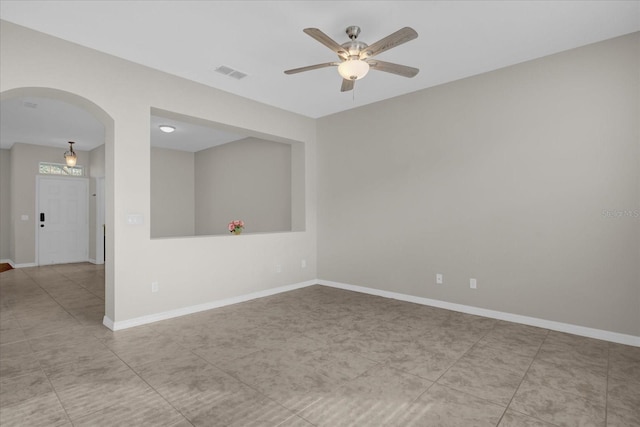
[[62, 220]]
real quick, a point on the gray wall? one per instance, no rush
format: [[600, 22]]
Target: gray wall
[[503, 177], [5, 205], [249, 179], [172, 193]]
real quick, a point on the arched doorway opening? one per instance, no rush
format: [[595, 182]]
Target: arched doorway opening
[[21, 230]]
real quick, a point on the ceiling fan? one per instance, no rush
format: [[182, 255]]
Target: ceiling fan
[[356, 57]]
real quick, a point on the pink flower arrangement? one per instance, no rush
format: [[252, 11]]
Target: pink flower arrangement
[[236, 226]]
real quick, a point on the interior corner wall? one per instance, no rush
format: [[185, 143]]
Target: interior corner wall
[[249, 180], [525, 178], [172, 193], [5, 205]]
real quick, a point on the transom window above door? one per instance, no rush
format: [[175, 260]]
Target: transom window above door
[[47, 168]]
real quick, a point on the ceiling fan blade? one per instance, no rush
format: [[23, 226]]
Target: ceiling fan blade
[[347, 85], [390, 67], [327, 41], [311, 67], [403, 35]]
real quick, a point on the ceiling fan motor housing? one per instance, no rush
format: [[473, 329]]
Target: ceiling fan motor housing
[[353, 48]]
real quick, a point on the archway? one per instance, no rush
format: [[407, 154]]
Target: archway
[[107, 121]]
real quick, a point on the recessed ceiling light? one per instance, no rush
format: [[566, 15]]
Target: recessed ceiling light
[[167, 128]]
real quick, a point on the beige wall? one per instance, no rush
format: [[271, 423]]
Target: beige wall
[[249, 179], [190, 271], [25, 159], [96, 162], [5, 205], [503, 177], [172, 193]]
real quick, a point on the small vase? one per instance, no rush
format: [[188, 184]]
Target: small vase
[[237, 231]]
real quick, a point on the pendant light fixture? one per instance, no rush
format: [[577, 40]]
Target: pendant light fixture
[[70, 156]]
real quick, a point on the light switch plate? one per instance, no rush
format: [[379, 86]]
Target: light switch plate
[[135, 219]]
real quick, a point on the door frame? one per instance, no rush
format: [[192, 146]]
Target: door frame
[[36, 216], [100, 221]]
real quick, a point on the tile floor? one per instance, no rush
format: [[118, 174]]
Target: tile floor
[[315, 356]]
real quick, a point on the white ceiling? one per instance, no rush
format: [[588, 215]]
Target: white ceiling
[[456, 39]]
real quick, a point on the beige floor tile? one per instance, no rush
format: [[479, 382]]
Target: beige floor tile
[[374, 397], [557, 407], [222, 348], [484, 355], [10, 331], [148, 409], [484, 381], [624, 362], [22, 388], [340, 357], [208, 396], [295, 421], [622, 414], [281, 377], [575, 343], [585, 382], [339, 364], [514, 419], [624, 389], [47, 327], [73, 350], [187, 378], [86, 387], [40, 411], [426, 361], [17, 359], [155, 348], [239, 409], [512, 339], [569, 350], [573, 358], [443, 406]]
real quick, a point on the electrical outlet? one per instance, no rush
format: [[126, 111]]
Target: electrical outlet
[[439, 279], [278, 268], [154, 286], [303, 263], [473, 283]]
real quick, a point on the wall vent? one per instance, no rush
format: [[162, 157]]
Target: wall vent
[[230, 72]]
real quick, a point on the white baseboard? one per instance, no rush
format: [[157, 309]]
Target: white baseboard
[[24, 265], [493, 314], [6, 261], [108, 323], [509, 317], [143, 320], [93, 261]]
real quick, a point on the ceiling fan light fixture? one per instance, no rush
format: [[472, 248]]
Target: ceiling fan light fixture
[[167, 128], [353, 69], [70, 156]]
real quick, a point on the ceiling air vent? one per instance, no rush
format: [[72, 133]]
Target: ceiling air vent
[[230, 72]]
